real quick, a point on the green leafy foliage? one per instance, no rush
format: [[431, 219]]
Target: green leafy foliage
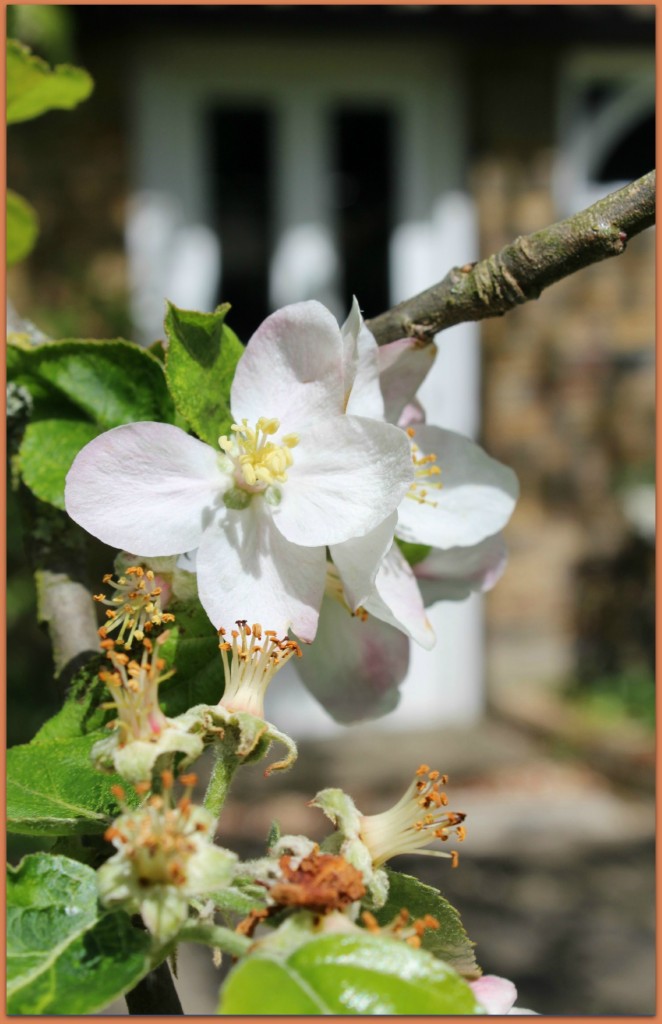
[[80, 388], [33, 87], [200, 363], [414, 553], [22, 227], [193, 650], [347, 974], [64, 954], [52, 787], [450, 941]]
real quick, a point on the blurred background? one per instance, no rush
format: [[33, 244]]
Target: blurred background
[[263, 155]]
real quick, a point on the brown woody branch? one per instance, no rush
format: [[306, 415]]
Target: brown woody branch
[[521, 270]]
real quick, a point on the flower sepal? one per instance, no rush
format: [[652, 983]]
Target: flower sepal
[[249, 736], [347, 841], [137, 760]]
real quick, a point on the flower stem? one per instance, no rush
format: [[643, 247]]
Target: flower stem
[[216, 935], [225, 765]]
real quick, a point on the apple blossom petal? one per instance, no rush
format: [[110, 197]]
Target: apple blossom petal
[[145, 487], [403, 366], [291, 369], [354, 668], [496, 994], [358, 560], [349, 474], [453, 574], [397, 600], [476, 498], [248, 570], [363, 396]]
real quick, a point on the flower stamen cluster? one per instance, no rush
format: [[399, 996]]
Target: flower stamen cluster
[[135, 607], [258, 461], [160, 838], [257, 655], [134, 687], [165, 857], [418, 818], [424, 472], [401, 927]]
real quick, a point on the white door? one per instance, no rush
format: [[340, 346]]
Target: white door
[[269, 171]]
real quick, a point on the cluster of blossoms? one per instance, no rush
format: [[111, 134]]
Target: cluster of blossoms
[[328, 458]]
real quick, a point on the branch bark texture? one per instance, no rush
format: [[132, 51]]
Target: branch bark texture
[[520, 271]]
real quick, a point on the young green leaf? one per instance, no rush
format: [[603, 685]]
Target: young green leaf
[[64, 955], [200, 363], [348, 974], [450, 941], [81, 388], [33, 87], [53, 789], [22, 227]]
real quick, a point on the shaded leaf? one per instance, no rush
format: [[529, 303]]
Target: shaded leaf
[[22, 227], [450, 941], [33, 87], [200, 363], [193, 650], [64, 955], [347, 974]]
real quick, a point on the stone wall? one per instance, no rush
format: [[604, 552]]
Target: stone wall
[[569, 394]]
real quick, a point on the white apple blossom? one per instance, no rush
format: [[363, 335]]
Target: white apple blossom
[[299, 471], [459, 499]]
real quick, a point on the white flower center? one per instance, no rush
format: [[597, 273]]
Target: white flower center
[[258, 462]]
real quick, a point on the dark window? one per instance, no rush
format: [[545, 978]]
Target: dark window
[[240, 154], [633, 154], [363, 177]]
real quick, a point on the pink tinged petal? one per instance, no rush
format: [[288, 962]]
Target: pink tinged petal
[[496, 994], [403, 365], [363, 396], [354, 668], [291, 369], [397, 600], [454, 574], [349, 474], [358, 560], [476, 498], [247, 570], [412, 414], [146, 487]]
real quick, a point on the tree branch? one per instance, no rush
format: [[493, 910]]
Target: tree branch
[[155, 994], [521, 270]]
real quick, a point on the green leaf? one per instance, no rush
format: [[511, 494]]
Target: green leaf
[[33, 87], [22, 227], [53, 789], [47, 451], [81, 388], [81, 713], [64, 956], [414, 553], [193, 650], [200, 362], [362, 975], [450, 941]]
